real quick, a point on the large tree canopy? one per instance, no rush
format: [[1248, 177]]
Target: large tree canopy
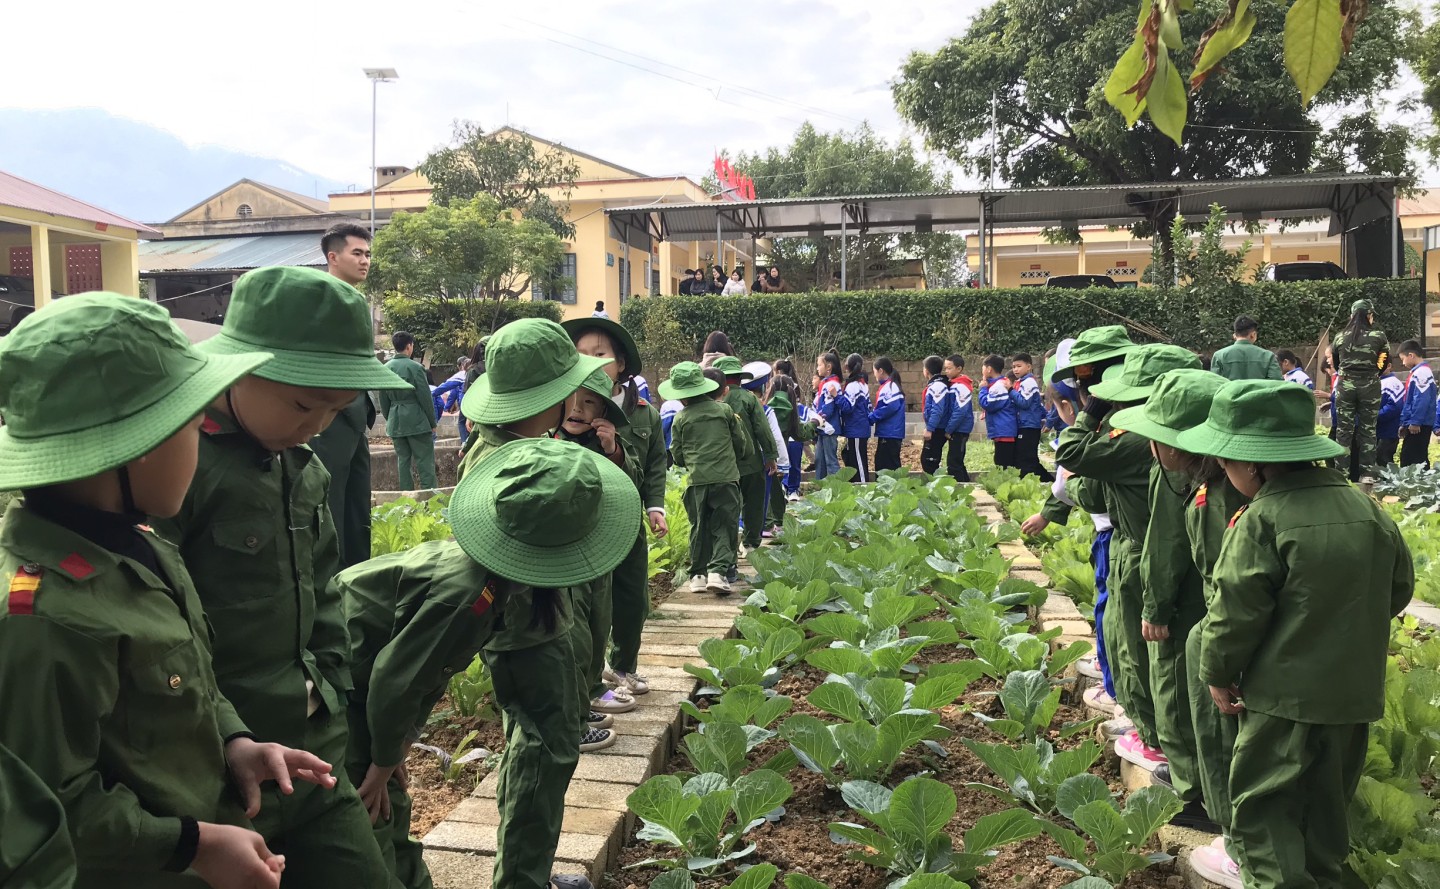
[[818, 164], [1048, 61]]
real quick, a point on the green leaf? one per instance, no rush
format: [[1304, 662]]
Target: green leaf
[[757, 793], [720, 653], [1074, 762], [659, 802], [919, 809], [706, 784], [840, 661], [904, 730], [758, 877], [1102, 823], [1070, 842], [795, 880], [885, 697], [772, 709], [1149, 809], [1010, 728], [930, 881], [1089, 883], [866, 837], [678, 878], [1126, 75], [845, 627], [1117, 864], [837, 699], [999, 758], [1166, 101], [859, 748], [709, 822], [939, 691], [1312, 44], [1079, 790], [866, 797], [812, 742], [1002, 829], [1225, 40], [1029, 699], [968, 670], [1066, 656]]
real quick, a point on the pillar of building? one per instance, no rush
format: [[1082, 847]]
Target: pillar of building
[[40, 263]]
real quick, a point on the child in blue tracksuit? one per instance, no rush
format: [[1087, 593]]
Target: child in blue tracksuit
[[855, 418], [962, 417], [829, 398], [1000, 421], [936, 405], [1387, 426], [668, 411], [1029, 417], [888, 415], [1417, 412]]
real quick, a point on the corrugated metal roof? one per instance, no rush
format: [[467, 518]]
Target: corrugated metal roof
[[27, 195], [1357, 199], [231, 254]]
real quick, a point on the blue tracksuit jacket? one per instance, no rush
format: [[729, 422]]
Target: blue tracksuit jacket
[[937, 404], [1000, 420], [888, 416], [1392, 393], [855, 411], [1418, 408], [1029, 403], [962, 407]]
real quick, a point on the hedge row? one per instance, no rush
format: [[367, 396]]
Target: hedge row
[[910, 324], [445, 339]]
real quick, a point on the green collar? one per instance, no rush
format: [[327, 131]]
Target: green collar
[[53, 547], [1319, 477]]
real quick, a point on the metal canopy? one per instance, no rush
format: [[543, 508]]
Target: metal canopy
[[1348, 201]]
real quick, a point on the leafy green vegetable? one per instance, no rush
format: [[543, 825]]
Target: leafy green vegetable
[[1035, 774], [706, 817], [1117, 834]]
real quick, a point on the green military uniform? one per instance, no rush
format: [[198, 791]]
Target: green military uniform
[[1243, 360], [257, 536], [35, 847], [780, 404], [754, 465], [708, 439], [543, 513], [410, 422], [1310, 574], [344, 448], [415, 619], [631, 581], [106, 680], [1359, 359]]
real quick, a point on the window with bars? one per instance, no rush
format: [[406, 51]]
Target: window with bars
[[560, 286]]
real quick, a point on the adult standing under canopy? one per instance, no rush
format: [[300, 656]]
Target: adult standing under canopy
[[344, 447], [1242, 359]]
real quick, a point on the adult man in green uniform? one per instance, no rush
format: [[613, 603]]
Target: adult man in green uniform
[[1242, 359], [344, 447], [418, 617], [1310, 574], [1361, 352], [106, 682], [759, 464], [256, 534], [410, 417], [1121, 463]]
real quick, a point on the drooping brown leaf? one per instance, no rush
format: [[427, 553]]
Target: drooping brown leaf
[[1354, 12], [1227, 34], [1149, 37]]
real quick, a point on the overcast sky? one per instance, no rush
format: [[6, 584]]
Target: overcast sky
[[655, 87]]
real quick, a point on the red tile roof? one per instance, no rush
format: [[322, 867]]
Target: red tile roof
[[26, 195]]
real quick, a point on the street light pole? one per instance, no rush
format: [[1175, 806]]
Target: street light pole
[[377, 76]]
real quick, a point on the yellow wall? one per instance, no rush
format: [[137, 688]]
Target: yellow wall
[[119, 248], [263, 203]]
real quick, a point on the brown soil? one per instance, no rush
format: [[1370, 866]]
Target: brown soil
[[799, 841]]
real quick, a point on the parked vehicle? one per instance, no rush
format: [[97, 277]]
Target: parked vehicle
[[1080, 282], [1303, 271]]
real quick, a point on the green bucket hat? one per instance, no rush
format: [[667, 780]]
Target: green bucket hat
[[1261, 421], [530, 366], [730, 366], [1142, 368], [546, 513], [1362, 305], [1180, 400], [599, 382], [93, 381], [577, 327], [317, 327], [1092, 347], [687, 380]]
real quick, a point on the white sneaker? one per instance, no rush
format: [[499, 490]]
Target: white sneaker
[[1117, 728], [1089, 666], [793, 496], [697, 584], [613, 701], [718, 585], [1096, 699], [741, 551], [1217, 867]]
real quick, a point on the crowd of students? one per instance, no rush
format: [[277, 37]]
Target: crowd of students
[[1245, 598]]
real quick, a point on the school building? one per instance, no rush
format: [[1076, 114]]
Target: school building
[[250, 224]]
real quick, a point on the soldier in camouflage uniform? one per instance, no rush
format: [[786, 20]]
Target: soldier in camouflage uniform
[[1360, 352]]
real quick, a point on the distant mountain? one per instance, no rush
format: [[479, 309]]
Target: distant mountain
[[132, 168]]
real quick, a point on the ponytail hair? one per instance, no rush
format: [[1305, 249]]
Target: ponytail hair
[[832, 365], [782, 383], [885, 364], [855, 368]]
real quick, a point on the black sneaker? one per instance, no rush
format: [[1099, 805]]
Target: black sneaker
[[599, 720], [1194, 817], [597, 739], [1161, 775]]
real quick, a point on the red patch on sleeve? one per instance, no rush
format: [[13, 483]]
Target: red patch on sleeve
[[1116, 433], [76, 566], [1200, 495], [23, 587], [1236, 517], [209, 426], [483, 603]]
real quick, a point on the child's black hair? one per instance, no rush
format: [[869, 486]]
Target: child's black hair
[[717, 341], [1287, 355], [1023, 356], [934, 365], [717, 376], [401, 341], [995, 363], [885, 364], [855, 368], [1245, 325], [782, 383], [832, 364], [1410, 347], [785, 367], [958, 360], [546, 607]]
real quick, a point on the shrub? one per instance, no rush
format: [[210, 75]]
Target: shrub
[[448, 338], [910, 324]]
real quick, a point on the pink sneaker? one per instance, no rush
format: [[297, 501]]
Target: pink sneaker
[[1096, 699], [1131, 749], [1214, 865]]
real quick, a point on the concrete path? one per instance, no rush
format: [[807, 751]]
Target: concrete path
[[461, 849]]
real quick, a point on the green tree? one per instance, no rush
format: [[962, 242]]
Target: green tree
[[818, 164], [452, 259], [1048, 61], [1424, 58], [509, 168]]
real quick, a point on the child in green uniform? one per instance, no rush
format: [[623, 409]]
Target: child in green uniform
[[758, 464], [1309, 576], [257, 535], [593, 420], [418, 617], [707, 439], [630, 583], [1174, 600], [410, 417], [531, 367], [106, 682]]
